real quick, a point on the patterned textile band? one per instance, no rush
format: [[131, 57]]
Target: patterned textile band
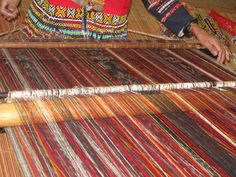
[[46, 20], [37, 69]]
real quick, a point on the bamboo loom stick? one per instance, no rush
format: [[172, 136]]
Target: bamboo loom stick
[[152, 35], [100, 44], [90, 91], [10, 116]]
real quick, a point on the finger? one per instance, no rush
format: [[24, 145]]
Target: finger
[[7, 14], [3, 8], [10, 18], [8, 11], [212, 49], [219, 57], [223, 56], [220, 49], [228, 54], [15, 13], [12, 8]]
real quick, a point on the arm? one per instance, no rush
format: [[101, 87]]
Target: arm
[[8, 8], [177, 19], [211, 43]]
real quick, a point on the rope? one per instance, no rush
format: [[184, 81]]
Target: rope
[[157, 36]]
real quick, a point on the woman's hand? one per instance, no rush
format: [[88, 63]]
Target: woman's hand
[[212, 43], [8, 8]]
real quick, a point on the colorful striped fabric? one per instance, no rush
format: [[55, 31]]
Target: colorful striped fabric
[[24, 69], [185, 132]]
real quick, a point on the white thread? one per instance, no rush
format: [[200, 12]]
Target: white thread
[[88, 91]]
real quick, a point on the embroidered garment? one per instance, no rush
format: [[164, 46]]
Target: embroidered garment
[[171, 13], [70, 20], [102, 19]]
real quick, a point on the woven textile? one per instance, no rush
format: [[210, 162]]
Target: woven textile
[[168, 133], [24, 69], [131, 135]]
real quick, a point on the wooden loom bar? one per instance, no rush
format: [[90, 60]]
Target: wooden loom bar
[[9, 115], [100, 44]]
